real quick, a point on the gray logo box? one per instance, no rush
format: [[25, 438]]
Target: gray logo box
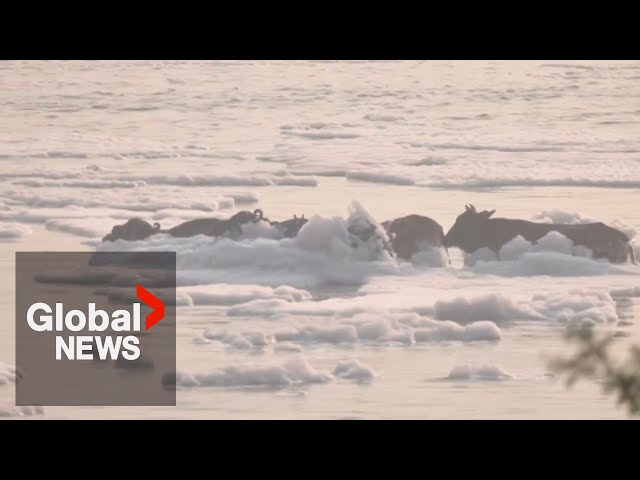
[[109, 280]]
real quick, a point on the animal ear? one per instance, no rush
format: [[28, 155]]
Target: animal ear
[[487, 214], [490, 213], [295, 217], [472, 208], [302, 216]]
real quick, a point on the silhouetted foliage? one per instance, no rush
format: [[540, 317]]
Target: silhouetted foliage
[[593, 360]]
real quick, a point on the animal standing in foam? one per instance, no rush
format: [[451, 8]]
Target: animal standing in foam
[[408, 234], [473, 230], [413, 233], [216, 227], [133, 229], [289, 228], [138, 229]]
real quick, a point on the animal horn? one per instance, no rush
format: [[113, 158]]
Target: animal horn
[[156, 226], [473, 209], [258, 214]]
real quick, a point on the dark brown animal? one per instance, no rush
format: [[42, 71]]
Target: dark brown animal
[[289, 228], [138, 229], [133, 229], [413, 233], [215, 227], [473, 230]]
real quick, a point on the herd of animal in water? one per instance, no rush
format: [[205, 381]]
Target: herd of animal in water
[[410, 234]]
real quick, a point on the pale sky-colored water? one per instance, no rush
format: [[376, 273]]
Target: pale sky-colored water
[[86, 145]]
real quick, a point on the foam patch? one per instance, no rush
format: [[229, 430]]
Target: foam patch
[[483, 372]]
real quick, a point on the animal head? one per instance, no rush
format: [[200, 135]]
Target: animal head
[[133, 229], [468, 226], [246, 216], [291, 227], [299, 221]]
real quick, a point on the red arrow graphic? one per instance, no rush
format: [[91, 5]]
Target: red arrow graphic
[[154, 302]]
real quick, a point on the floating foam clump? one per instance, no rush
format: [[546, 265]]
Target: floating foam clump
[[225, 294], [9, 374], [495, 307], [13, 231], [25, 411], [364, 328], [576, 305], [354, 370], [552, 255], [296, 371], [484, 372], [626, 292]]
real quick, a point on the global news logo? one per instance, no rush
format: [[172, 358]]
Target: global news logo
[[41, 317], [95, 328]]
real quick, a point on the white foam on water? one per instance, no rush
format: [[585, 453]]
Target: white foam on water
[[430, 257], [85, 227], [139, 203], [9, 374], [552, 264], [346, 328], [204, 180], [429, 161], [227, 294], [482, 372], [626, 292], [577, 305], [390, 178], [515, 181], [321, 135], [242, 340], [331, 334], [494, 307], [560, 306], [261, 229], [382, 117], [287, 347], [25, 411], [552, 255], [86, 183], [354, 370], [295, 371], [13, 231], [243, 198]]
